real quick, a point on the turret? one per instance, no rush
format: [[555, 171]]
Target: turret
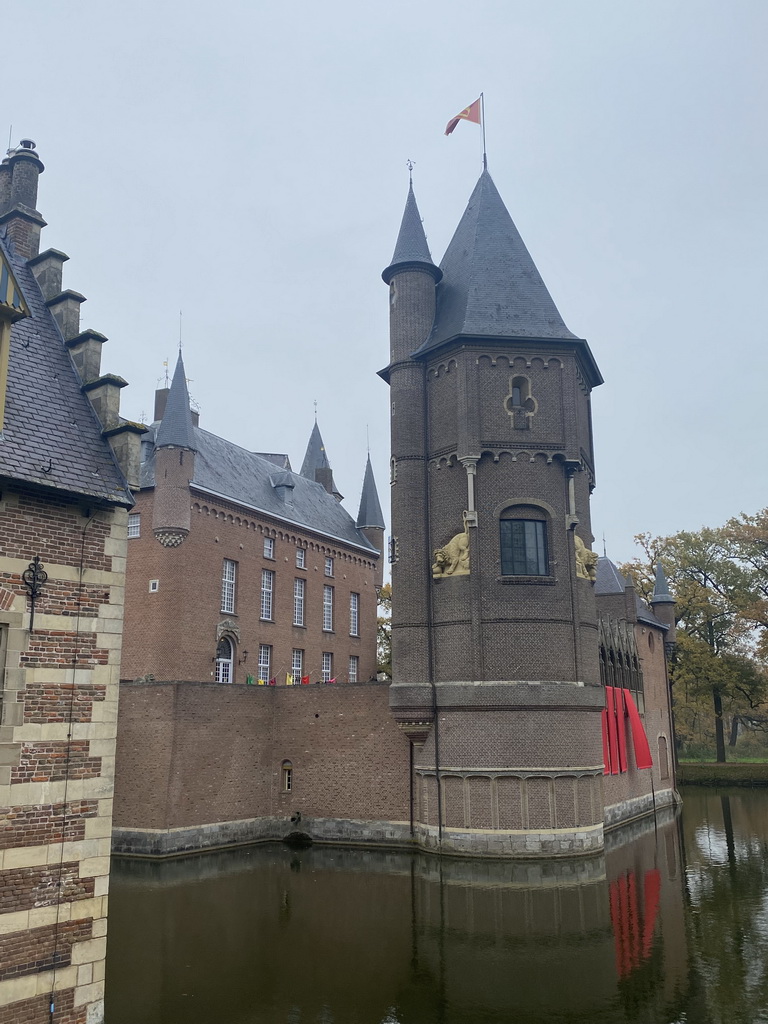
[[371, 520], [316, 465], [175, 448], [663, 604]]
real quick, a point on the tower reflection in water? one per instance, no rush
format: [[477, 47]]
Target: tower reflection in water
[[332, 935]]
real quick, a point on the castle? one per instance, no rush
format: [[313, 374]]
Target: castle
[[529, 709]]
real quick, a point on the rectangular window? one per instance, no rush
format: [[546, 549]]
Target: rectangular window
[[269, 547], [134, 524], [301, 558], [354, 663], [265, 661], [329, 566], [228, 577], [327, 666], [523, 547], [354, 615], [298, 602], [328, 609], [297, 665], [287, 777], [267, 590]]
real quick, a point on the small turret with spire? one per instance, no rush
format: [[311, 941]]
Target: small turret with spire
[[663, 604], [316, 465], [175, 449], [370, 518]]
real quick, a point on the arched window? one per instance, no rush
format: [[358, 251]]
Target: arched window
[[519, 403], [523, 541], [224, 660], [286, 774]]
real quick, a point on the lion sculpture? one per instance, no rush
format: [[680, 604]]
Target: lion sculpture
[[453, 558], [586, 560]]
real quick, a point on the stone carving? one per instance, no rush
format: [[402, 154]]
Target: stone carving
[[453, 559], [586, 560]]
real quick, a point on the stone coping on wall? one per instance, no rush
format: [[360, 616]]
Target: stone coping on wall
[[640, 807]]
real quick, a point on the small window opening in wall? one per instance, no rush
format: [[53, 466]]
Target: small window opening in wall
[[134, 524], [328, 566], [301, 558], [287, 773], [154, 586], [269, 547]]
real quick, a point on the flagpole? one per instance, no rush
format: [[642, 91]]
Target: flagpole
[[482, 116]]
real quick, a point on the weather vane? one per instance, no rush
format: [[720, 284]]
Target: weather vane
[[410, 165]]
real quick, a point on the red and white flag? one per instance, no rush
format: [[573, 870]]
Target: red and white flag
[[470, 113]]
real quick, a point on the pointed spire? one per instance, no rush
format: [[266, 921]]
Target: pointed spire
[[369, 514], [661, 594], [316, 465], [176, 425], [411, 249], [491, 287]]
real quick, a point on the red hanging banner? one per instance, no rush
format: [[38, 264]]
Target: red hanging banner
[[621, 727], [613, 739], [643, 757]]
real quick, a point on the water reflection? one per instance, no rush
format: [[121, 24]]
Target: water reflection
[[268, 935]]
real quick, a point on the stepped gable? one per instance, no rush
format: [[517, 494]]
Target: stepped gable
[[490, 285], [51, 435], [228, 471]]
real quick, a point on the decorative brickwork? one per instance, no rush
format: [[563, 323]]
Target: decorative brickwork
[[54, 761], [40, 949], [60, 702], [25, 888], [37, 1010], [39, 825]]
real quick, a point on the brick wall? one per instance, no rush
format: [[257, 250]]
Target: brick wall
[[58, 713], [191, 754], [173, 633]]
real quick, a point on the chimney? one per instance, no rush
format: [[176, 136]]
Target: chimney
[[48, 271], [161, 397], [20, 217]]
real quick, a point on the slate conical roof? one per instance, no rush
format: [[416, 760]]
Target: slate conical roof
[[411, 248], [661, 594], [369, 513], [490, 286], [316, 458], [176, 426]]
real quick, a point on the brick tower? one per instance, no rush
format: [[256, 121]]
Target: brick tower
[[494, 630]]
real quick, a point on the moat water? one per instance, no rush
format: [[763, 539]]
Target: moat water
[[671, 926]]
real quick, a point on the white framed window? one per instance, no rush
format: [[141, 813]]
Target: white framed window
[[354, 667], [297, 665], [267, 591], [301, 558], [224, 660], [269, 547], [327, 666], [287, 776], [134, 524], [299, 587], [328, 609], [228, 578], [354, 615], [154, 586], [328, 566], [265, 662]]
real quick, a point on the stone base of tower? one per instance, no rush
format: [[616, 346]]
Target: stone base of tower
[[506, 768]]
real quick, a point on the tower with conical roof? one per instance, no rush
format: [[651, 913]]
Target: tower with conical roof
[[370, 518], [494, 651], [316, 465], [175, 449]]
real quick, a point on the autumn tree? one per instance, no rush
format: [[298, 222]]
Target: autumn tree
[[719, 578], [384, 631]]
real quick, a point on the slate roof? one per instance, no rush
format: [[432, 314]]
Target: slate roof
[[176, 426], [411, 246], [369, 513], [490, 285], [316, 457], [250, 479], [51, 436], [608, 580]]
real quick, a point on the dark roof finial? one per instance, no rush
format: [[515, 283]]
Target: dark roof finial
[[661, 594], [411, 249]]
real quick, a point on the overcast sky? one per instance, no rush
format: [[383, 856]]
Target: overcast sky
[[246, 163]]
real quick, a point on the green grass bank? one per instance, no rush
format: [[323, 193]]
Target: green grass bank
[[710, 774]]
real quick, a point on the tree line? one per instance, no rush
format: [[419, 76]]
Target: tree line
[[719, 667]]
